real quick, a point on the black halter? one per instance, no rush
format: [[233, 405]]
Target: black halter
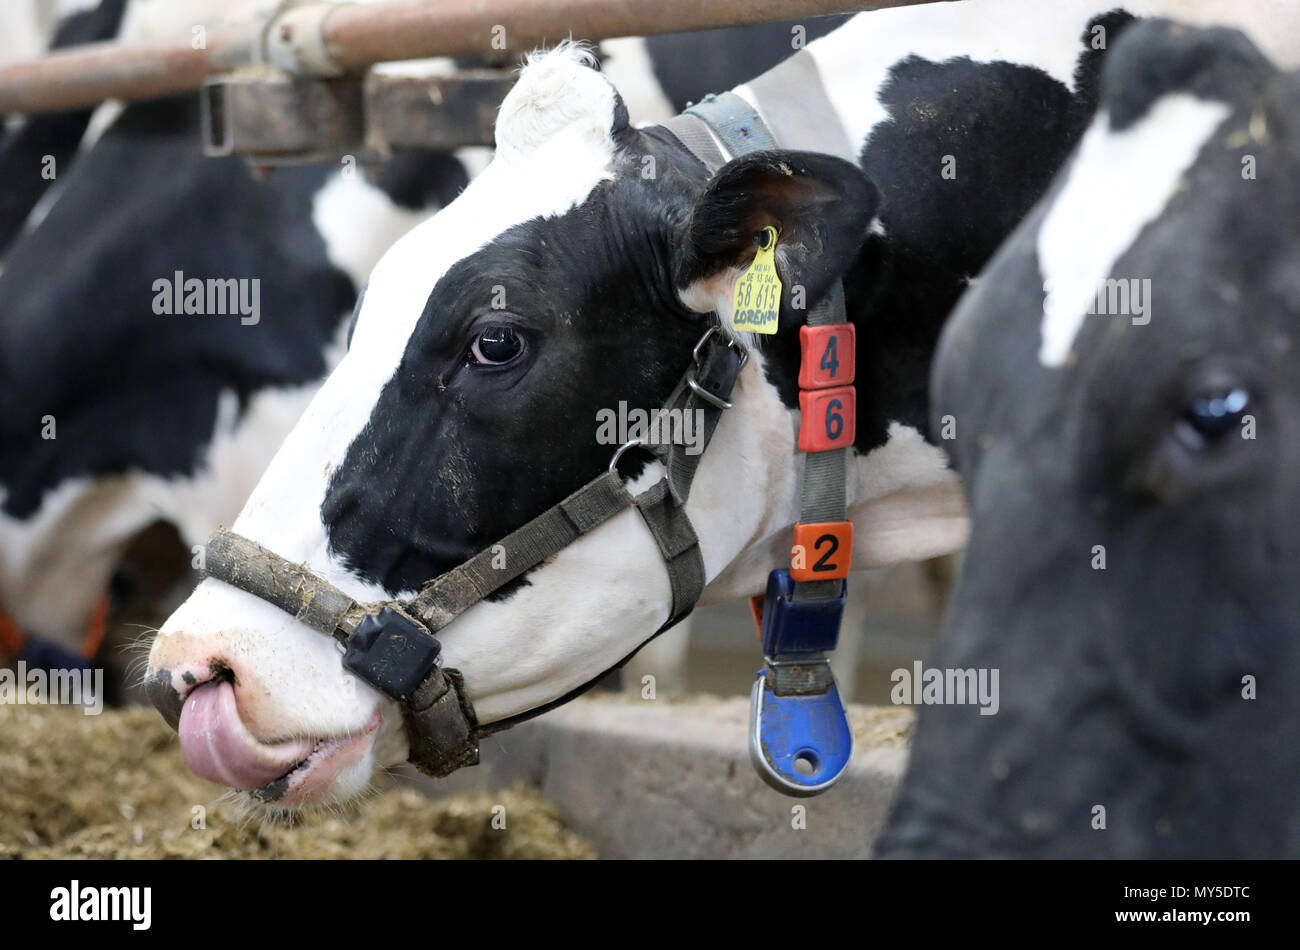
[[393, 645]]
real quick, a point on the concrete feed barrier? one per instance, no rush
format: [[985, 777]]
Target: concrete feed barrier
[[659, 779]]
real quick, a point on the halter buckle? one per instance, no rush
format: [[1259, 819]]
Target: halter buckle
[[392, 653], [729, 342], [704, 394], [710, 397]]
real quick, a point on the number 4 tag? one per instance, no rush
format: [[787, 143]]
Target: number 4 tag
[[827, 356]]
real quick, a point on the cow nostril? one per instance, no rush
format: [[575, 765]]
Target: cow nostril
[[164, 697], [168, 701]]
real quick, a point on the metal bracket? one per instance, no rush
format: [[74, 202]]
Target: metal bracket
[[280, 120], [294, 40], [434, 112]]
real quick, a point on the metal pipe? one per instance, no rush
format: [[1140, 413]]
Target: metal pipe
[[353, 36], [85, 76]]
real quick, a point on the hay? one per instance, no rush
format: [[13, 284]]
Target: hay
[[114, 786]]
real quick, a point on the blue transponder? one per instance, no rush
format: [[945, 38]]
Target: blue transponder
[[799, 627], [790, 728], [808, 728]]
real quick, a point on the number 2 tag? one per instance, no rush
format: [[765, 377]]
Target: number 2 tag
[[756, 299]]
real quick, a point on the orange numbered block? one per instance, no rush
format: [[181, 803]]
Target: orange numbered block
[[822, 551], [828, 356], [828, 419]]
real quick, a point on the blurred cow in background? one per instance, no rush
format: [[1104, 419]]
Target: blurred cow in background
[[1132, 480]]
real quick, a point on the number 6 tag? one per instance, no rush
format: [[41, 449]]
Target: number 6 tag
[[828, 419]]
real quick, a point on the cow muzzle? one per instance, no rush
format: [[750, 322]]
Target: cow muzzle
[[381, 644]]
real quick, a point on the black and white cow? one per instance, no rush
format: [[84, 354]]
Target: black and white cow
[[32, 149], [115, 416], [1134, 486], [451, 422], [172, 418]]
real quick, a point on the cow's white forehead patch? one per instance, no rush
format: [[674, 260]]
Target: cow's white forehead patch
[[550, 176], [1117, 184]]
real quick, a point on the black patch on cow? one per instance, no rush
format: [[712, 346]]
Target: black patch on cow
[[417, 179], [454, 457], [688, 65], [1009, 127], [1209, 64], [132, 390], [158, 688], [23, 149]]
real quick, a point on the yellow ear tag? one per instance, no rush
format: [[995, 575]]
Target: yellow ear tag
[[756, 303]]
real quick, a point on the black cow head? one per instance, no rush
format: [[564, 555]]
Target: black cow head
[[1133, 475]]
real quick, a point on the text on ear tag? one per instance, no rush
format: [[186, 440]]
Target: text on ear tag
[[756, 303]]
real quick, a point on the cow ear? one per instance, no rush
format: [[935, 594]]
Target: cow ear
[[821, 207]]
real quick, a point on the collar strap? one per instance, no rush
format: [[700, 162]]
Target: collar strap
[[393, 646], [732, 120], [796, 715]]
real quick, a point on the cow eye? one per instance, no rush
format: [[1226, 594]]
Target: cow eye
[[495, 346], [1212, 415]]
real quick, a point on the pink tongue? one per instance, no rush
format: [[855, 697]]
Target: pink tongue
[[217, 746]]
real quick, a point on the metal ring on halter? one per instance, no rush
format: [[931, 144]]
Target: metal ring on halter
[[744, 353], [704, 393], [613, 463]]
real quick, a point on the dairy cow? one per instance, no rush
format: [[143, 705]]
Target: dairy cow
[[118, 412], [1132, 478], [119, 408], [563, 281]]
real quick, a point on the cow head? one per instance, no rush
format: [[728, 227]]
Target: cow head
[[1132, 480], [577, 271]]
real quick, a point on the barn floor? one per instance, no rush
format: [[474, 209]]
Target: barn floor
[[114, 786]]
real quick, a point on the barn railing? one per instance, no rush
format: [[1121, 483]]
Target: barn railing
[[323, 40], [295, 86]]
